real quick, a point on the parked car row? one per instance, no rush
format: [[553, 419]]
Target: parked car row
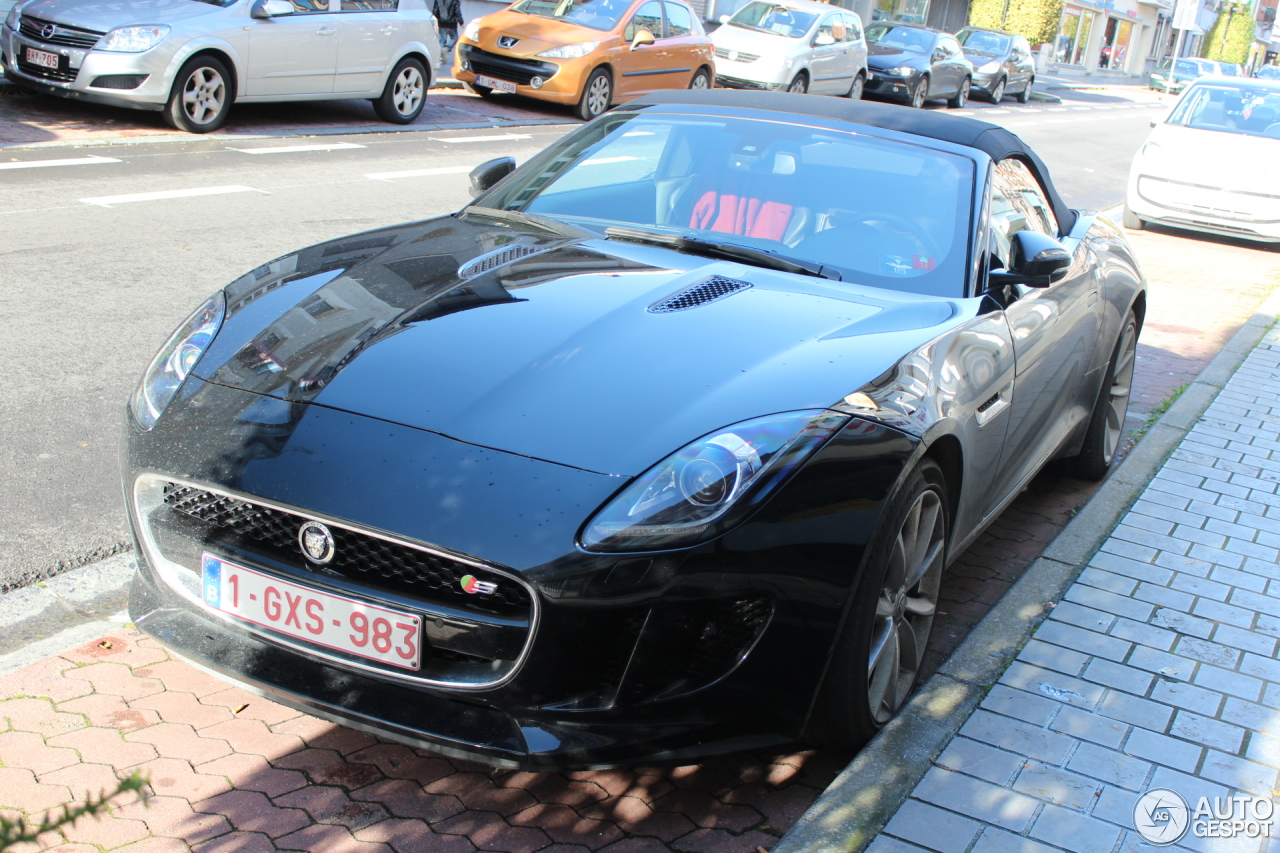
[[1174, 76], [594, 54]]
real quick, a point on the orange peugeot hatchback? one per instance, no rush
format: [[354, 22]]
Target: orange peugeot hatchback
[[590, 54]]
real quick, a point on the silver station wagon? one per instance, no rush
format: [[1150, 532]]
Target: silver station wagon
[[191, 59]]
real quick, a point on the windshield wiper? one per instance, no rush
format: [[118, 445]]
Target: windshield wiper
[[534, 220], [726, 251]]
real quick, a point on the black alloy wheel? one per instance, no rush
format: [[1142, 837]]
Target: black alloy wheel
[[701, 80], [1025, 94], [1106, 425], [920, 93], [997, 91], [855, 90], [800, 85], [201, 96], [405, 94], [877, 656], [597, 95], [961, 97]]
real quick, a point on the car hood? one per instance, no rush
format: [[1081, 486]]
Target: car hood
[[557, 355], [1231, 161], [534, 34], [764, 44], [104, 17], [884, 56], [981, 57]]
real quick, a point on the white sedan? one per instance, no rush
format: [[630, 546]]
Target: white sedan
[[1214, 164]]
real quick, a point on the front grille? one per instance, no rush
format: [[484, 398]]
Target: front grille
[[358, 556], [739, 56], [510, 68], [61, 74], [35, 28], [736, 83], [119, 81], [702, 293], [493, 260]]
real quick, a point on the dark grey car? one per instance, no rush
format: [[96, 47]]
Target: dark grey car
[[1002, 63]]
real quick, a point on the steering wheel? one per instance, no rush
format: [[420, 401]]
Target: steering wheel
[[906, 227]]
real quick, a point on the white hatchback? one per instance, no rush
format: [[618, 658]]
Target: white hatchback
[[792, 45], [1214, 164], [192, 58]]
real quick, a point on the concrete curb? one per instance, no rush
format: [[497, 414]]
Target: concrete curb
[[1044, 97], [865, 796]]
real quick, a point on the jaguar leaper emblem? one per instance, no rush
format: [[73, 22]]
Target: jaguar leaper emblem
[[316, 542]]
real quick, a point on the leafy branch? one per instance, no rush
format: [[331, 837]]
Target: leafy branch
[[20, 830]]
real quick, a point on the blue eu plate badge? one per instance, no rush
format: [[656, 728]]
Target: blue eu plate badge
[[212, 581]]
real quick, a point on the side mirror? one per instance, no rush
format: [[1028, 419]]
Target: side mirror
[[271, 8], [1038, 261], [488, 173], [823, 39], [643, 37]]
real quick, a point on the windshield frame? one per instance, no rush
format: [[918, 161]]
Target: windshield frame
[[571, 9], [967, 233], [963, 38], [890, 26]]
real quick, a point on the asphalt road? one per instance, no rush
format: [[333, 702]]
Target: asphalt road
[[101, 256]]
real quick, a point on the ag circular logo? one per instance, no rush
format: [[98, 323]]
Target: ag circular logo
[[48, 31], [316, 542], [1161, 816]]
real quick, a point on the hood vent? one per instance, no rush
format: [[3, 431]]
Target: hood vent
[[711, 290], [493, 260]]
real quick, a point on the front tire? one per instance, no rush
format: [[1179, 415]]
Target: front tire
[[405, 94], [701, 80], [961, 97], [997, 91], [800, 85], [920, 94], [1131, 221], [201, 96], [1106, 425], [876, 659], [597, 95], [855, 90], [1025, 95]]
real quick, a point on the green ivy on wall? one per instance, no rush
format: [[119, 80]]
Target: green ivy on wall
[[1035, 20], [1231, 36]]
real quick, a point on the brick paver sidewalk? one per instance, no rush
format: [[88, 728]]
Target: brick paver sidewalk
[[235, 773], [1158, 670]]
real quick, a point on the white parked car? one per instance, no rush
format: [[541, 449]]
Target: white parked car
[[192, 58], [1214, 164], [795, 45]]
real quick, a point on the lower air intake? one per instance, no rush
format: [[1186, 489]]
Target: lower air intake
[[702, 293]]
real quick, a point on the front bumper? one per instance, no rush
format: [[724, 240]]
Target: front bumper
[[563, 79], [1246, 215], [629, 657], [984, 82], [885, 85], [80, 73]]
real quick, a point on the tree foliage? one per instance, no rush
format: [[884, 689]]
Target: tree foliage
[[19, 830], [1231, 36], [1035, 20]]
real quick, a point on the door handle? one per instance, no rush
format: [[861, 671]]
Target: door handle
[[326, 31], [1093, 299], [389, 29]]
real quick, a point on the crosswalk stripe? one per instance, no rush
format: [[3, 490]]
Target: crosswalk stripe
[[293, 149], [74, 161], [502, 136], [109, 200]]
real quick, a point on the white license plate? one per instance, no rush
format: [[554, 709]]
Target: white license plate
[[41, 57], [334, 621], [495, 83]]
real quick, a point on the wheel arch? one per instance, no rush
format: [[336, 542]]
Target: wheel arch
[[947, 453], [415, 53], [222, 56]]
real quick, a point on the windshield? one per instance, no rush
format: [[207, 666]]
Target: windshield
[[904, 38], [1269, 72], [881, 213], [1231, 109], [596, 14], [985, 42], [772, 18], [1227, 69]]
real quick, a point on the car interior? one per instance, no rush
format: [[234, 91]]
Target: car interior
[[1230, 109]]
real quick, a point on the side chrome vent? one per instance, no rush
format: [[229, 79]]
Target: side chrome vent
[[702, 293], [493, 260]]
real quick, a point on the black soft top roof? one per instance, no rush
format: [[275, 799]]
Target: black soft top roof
[[994, 141]]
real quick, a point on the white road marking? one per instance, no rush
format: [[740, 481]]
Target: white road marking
[[480, 138], [1056, 110], [109, 200], [1083, 108], [292, 149], [75, 161], [419, 173]]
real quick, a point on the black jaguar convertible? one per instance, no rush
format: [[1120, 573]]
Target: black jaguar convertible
[[659, 448]]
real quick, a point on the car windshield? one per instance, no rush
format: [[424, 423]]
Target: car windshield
[[1269, 72], [772, 18], [1229, 108], [596, 14], [905, 38], [1228, 69], [985, 42], [878, 212]]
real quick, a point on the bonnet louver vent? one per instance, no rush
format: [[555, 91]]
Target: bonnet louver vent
[[493, 260], [711, 290]]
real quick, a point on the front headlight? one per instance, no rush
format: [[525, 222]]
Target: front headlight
[[134, 39], [471, 31], [901, 71], [569, 51], [708, 486], [12, 21], [175, 361], [990, 68], [1154, 154]]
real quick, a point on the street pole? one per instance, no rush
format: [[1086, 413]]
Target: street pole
[[1004, 13]]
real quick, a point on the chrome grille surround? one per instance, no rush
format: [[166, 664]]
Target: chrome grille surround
[[60, 34]]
